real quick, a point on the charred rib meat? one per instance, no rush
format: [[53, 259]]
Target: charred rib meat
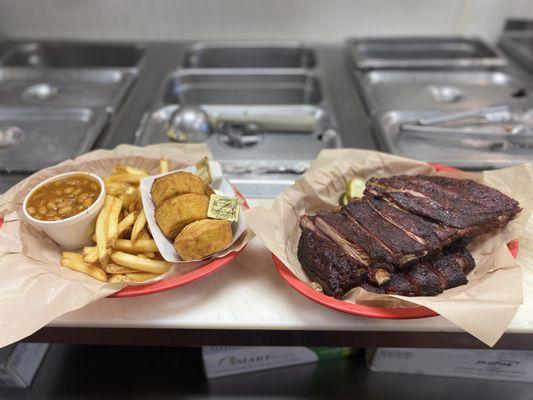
[[406, 235]]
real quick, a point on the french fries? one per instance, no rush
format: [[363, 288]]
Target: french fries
[[92, 256], [137, 246], [77, 264], [121, 169], [140, 263], [132, 277], [128, 196], [143, 234], [124, 178], [117, 188], [163, 166], [138, 226], [111, 268], [124, 250], [127, 222], [112, 225], [101, 230]]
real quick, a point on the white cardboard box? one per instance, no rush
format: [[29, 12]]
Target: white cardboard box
[[19, 363], [228, 360], [506, 365]]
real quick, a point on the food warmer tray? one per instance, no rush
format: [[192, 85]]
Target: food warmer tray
[[245, 86], [35, 138], [422, 53], [464, 154], [73, 55], [443, 91], [279, 145], [248, 54], [520, 46], [23, 87]]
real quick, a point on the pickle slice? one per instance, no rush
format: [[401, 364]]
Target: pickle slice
[[343, 200]]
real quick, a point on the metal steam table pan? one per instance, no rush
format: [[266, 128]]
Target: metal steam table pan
[[72, 55], [265, 145], [422, 53], [63, 88], [226, 86], [520, 46], [440, 91], [469, 154], [35, 138], [244, 54]]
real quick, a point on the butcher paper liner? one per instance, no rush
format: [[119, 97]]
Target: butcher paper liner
[[484, 307], [34, 288]]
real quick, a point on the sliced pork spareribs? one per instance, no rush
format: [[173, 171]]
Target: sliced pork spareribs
[[406, 236]]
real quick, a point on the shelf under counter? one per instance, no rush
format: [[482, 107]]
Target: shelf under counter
[[248, 303]]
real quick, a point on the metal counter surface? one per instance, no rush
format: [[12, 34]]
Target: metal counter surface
[[248, 303]]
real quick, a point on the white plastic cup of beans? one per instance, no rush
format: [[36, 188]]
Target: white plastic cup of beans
[[65, 207]]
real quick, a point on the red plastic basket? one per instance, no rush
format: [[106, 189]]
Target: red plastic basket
[[357, 309], [176, 281]]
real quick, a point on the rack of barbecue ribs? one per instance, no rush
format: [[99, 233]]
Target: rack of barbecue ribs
[[407, 235]]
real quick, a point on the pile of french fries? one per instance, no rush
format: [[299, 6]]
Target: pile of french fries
[[124, 249]]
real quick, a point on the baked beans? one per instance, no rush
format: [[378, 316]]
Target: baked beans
[[63, 198]]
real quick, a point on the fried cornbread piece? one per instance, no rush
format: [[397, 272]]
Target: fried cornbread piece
[[203, 238], [175, 184], [175, 213]]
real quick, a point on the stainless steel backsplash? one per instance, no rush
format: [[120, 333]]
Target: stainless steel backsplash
[[323, 21]]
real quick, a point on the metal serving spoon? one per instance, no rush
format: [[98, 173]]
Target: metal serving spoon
[[188, 124]]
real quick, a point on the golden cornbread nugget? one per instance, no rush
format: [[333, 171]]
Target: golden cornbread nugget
[[175, 213], [175, 184], [203, 238]]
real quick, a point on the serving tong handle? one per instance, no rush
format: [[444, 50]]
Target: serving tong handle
[[521, 134], [500, 113]]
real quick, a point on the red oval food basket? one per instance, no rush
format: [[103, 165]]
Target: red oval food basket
[[176, 281], [357, 309]]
